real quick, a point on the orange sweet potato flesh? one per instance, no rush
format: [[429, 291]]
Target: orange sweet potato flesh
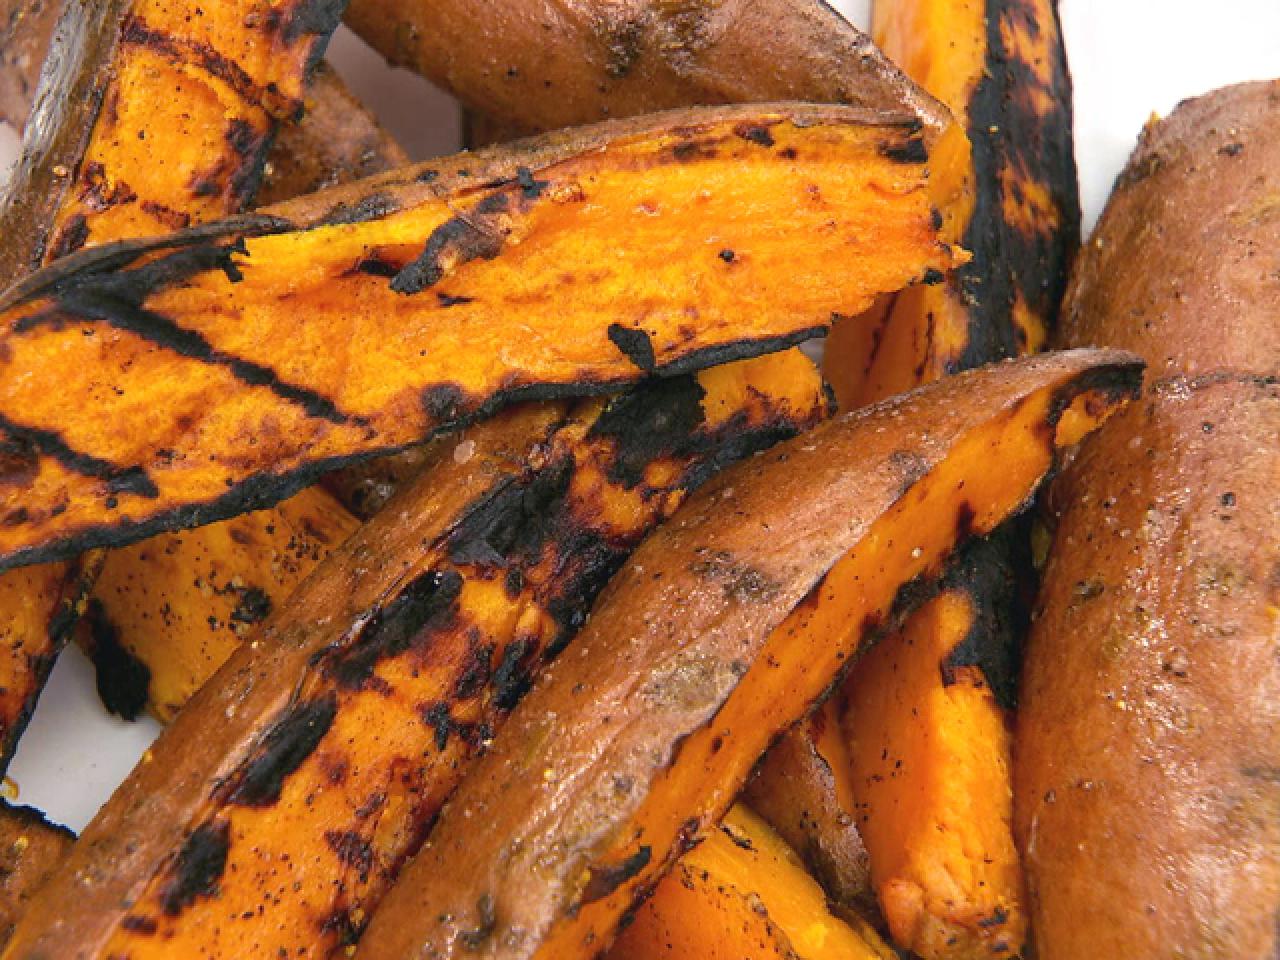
[[31, 849], [223, 377], [926, 720], [533, 66], [1146, 802], [310, 767], [804, 789], [721, 631], [1009, 194], [742, 892]]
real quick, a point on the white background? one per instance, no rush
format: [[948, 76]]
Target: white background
[[1130, 58]]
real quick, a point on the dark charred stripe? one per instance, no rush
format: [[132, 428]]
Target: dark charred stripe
[[352, 850], [427, 602], [285, 747], [514, 676], [661, 420], [373, 206], [73, 235], [989, 573], [49, 443], [510, 526], [123, 681], [1007, 134], [108, 258], [605, 879], [136, 32], [911, 150], [636, 345], [198, 868], [757, 133], [266, 489], [460, 239]]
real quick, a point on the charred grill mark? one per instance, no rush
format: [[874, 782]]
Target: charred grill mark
[[478, 234], [510, 526], [757, 133], [253, 605], [73, 235], [319, 18], [988, 574], [605, 879], [198, 867], [427, 602], [660, 420], [911, 151], [375, 266], [476, 671], [447, 300], [352, 850], [514, 676], [445, 402], [123, 681], [439, 719], [50, 444], [1007, 134], [635, 344], [117, 300], [173, 219], [136, 32], [287, 744]]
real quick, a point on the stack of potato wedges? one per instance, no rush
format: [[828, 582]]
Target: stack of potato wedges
[[513, 585]]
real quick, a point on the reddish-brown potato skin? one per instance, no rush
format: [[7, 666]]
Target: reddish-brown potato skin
[[26, 27], [641, 734], [1147, 802], [534, 66], [31, 849], [1183, 265]]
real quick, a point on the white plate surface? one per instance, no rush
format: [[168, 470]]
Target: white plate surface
[[1129, 58]]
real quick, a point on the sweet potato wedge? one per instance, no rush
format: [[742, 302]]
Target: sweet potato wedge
[[1146, 799], [742, 892], [722, 629], [125, 70], [221, 373], [31, 849], [40, 607], [167, 612], [534, 68], [1009, 195], [344, 725], [927, 717], [803, 788]]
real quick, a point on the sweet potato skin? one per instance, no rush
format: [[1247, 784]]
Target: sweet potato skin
[[695, 644], [742, 892], [1145, 794], [803, 788], [534, 67], [1203, 179], [31, 849], [26, 29], [221, 327], [379, 693], [1149, 732]]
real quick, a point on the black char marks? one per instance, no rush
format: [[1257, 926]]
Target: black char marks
[[912, 150], [372, 206], [988, 573], [477, 234], [604, 880], [512, 524], [117, 299], [1007, 134], [23, 440], [427, 602], [123, 680], [660, 420], [635, 344], [284, 748], [757, 133], [198, 867]]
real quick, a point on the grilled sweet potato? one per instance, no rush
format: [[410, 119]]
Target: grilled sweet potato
[[804, 788], [721, 630], [26, 29], [346, 723], [936, 810], [222, 372], [534, 67], [1147, 801], [124, 70], [742, 892], [31, 849], [926, 715], [1010, 193]]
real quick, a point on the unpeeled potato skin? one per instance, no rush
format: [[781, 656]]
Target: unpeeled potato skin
[[31, 849]]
